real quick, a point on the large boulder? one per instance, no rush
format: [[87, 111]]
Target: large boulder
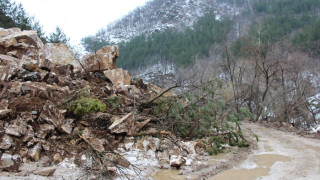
[[20, 44], [118, 76], [55, 54], [103, 59]]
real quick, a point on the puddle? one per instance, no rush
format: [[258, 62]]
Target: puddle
[[172, 174], [218, 158], [264, 161]]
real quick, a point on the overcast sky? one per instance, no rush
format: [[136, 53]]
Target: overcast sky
[[78, 18]]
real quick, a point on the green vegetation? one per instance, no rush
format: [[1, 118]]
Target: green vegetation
[[181, 48], [280, 7], [296, 20], [308, 35], [96, 42], [80, 103], [200, 114], [85, 105], [58, 37]]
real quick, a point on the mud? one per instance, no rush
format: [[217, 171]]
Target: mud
[[264, 162], [280, 155]]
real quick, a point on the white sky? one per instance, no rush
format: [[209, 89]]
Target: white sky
[[78, 18]]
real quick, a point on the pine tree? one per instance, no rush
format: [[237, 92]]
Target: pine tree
[[58, 37]]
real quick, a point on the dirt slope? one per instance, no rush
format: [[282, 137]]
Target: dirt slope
[[280, 155]]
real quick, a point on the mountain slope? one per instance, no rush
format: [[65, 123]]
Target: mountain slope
[[159, 15]]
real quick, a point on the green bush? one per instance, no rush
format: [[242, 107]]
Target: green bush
[[203, 115], [85, 105]]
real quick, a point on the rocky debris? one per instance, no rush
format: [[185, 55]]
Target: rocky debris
[[6, 142], [41, 83], [46, 171], [118, 76], [44, 130], [51, 114], [103, 59], [10, 162]]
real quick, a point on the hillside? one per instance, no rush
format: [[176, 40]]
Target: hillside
[[160, 15]]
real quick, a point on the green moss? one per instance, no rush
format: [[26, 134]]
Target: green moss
[[85, 105]]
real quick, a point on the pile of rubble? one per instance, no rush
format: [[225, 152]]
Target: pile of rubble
[[36, 127]]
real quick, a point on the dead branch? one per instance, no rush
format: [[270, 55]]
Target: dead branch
[[160, 95], [104, 170]]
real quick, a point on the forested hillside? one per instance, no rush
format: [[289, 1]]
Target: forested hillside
[[294, 21], [267, 55], [179, 47]]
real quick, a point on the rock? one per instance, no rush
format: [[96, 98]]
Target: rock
[[44, 130], [34, 152], [23, 152], [46, 171], [44, 161], [130, 91], [4, 104], [29, 76], [6, 142], [21, 44], [27, 117], [10, 65], [127, 125], [29, 135], [177, 161], [4, 113], [63, 69], [57, 158], [118, 76], [122, 125], [50, 114], [67, 126], [17, 128], [103, 59], [99, 120], [9, 162], [45, 145], [45, 64], [56, 53], [15, 37], [94, 142], [31, 66]]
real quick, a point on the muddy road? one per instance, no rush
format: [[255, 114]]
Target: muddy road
[[279, 155]]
